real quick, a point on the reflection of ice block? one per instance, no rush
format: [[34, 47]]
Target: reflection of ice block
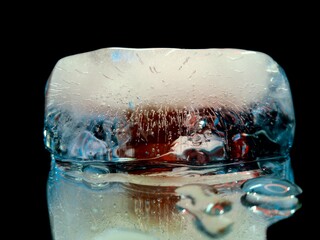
[[191, 106]]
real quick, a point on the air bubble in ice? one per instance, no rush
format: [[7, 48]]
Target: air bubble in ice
[[87, 146]]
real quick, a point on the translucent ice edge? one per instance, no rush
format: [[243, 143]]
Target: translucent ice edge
[[99, 175]]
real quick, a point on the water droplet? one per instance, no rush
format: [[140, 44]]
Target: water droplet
[[207, 208], [271, 196], [94, 176]]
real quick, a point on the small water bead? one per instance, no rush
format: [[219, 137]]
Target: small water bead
[[271, 196], [270, 186], [94, 176]]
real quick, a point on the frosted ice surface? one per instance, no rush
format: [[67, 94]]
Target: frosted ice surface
[[120, 104], [90, 82]]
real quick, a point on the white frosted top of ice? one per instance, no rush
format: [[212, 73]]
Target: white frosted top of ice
[[115, 79]]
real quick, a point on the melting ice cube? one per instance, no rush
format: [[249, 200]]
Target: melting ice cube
[[119, 104]]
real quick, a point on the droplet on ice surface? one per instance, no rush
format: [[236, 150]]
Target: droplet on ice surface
[[207, 208], [271, 196]]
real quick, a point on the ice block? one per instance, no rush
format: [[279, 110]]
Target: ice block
[[198, 106], [169, 144]]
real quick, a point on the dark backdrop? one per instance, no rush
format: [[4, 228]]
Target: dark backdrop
[[40, 50]]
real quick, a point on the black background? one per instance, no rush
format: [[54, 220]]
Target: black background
[[41, 48]]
